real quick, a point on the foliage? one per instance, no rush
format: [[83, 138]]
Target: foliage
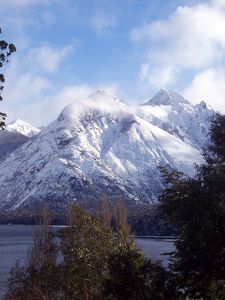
[[131, 276], [6, 50], [125, 263], [86, 260], [104, 211], [216, 147], [197, 207], [38, 280], [146, 219], [84, 247]]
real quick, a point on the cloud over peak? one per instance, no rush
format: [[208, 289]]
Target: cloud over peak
[[191, 39]]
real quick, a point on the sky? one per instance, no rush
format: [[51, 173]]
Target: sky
[[67, 49]]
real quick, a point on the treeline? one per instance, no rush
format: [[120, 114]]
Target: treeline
[[147, 219], [144, 219], [29, 217]]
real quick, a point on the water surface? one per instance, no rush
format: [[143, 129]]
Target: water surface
[[14, 244]]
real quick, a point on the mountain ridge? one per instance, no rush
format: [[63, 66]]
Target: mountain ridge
[[101, 145]]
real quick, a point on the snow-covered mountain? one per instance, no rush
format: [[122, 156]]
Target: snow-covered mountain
[[99, 145], [22, 127], [174, 114], [15, 134]]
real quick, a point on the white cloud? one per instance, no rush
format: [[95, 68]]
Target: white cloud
[[102, 22], [28, 80], [32, 94], [209, 86], [156, 77], [37, 108], [26, 88], [192, 39], [18, 15], [47, 108], [219, 3], [112, 89], [36, 64], [48, 57]]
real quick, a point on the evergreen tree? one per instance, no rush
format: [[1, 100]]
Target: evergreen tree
[[6, 50], [216, 148], [197, 207]]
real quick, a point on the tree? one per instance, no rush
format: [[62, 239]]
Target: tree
[[84, 247], [93, 262], [121, 216], [216, 147], [5, 51], [197, 207], [40, 278], [99, 263], [104, 211], [131, 276]]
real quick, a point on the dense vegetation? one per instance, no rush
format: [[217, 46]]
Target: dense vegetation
[[196, 206], [87, 260]]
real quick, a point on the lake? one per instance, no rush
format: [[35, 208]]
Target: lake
[[16, 240]]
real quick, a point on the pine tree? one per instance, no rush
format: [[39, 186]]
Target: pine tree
[[197, 207]]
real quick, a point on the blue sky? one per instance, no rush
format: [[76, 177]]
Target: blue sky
[[132, 48]]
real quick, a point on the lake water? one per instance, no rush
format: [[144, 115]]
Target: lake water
[[16, 240]]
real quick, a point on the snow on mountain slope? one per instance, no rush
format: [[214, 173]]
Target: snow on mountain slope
[[15, 134], [172, 113], [22, 127], [97, 145]]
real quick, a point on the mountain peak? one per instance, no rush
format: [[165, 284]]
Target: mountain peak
[[101, 94], [166, 97], [18, 122], [98, 101], [99, 144], [203, 105], [22, 127]]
